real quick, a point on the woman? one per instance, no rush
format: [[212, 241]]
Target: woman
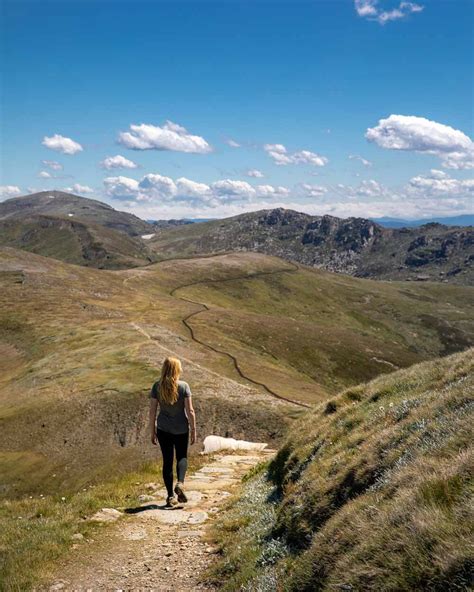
[[175, 419]]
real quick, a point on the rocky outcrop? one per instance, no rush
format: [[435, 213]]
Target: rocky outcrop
[[355, 246]]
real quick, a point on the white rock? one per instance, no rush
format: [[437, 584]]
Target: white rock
[[145, 498], [106, 515]]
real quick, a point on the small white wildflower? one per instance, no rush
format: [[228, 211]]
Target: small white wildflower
[[382, 408], [391, 405], [63, 499]]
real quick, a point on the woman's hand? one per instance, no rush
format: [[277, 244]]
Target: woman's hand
[[154, 439], [193, 437]]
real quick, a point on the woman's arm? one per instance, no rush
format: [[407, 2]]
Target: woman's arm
[[188, 403], [152, 423]]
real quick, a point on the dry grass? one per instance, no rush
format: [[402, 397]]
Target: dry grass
[[375, 491]]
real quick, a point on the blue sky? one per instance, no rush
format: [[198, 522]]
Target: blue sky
[[342, 107]]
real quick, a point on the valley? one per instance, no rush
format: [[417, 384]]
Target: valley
[[264, 341]]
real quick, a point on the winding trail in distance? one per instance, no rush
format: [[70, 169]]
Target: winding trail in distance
[[204, 308]]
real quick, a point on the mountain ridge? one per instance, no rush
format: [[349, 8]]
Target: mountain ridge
[[64, 204], [356, 246], [75, 230]]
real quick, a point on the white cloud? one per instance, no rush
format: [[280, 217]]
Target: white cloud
[[62, 144], [154, 185], [268, 191], [255, 173], [45, 175], [371, 10], [439, 184], [408, 132], [282, 157], [121, 187], [232, 143], [437, 174], [118, 162], [52, 164], [7, 191], [186, 187], [367, 189], [155, 188], [170, 136], [366, 8], [364, 161], [78, 188], [310, 190], [229, 190]]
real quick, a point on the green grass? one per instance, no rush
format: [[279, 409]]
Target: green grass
[[37, 530], [370, 492], [327, 331]]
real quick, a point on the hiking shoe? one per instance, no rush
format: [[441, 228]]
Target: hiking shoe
[[180, 493], [171, 501]]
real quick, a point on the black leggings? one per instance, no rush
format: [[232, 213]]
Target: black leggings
[[168, 443]]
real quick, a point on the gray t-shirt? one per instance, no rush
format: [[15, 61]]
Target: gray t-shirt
[[172, 418]]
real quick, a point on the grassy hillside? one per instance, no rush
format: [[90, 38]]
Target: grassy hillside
[[79, 363], [76, 366], [371, 492], [63, 205], [74, 241], [307, 332], [85, 343]]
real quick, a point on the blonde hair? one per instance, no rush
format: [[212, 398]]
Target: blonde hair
[[170, 372]]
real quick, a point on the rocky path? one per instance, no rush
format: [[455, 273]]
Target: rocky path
[[154, 549]]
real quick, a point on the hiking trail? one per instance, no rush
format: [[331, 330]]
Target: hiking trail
[[151, 548], [290, 268]]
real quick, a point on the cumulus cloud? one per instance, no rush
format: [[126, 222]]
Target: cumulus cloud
[[270, 191], [78, 188], [232, 143], [362, 160], [368, 190], [255, 173], [371, 10], [170, 136], [155, 188], [282, 157], [229, 190], [121, 187], [52, 164], [439, 184], [7, 191], [408, 132], [310, 190], [45, 175], [118, 162], [61, 144]]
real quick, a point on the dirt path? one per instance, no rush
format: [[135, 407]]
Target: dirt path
[[291, 268], [154, 549]]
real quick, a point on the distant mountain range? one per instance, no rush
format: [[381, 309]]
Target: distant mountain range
[[87, 232], [354, 246], [464, 220]]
